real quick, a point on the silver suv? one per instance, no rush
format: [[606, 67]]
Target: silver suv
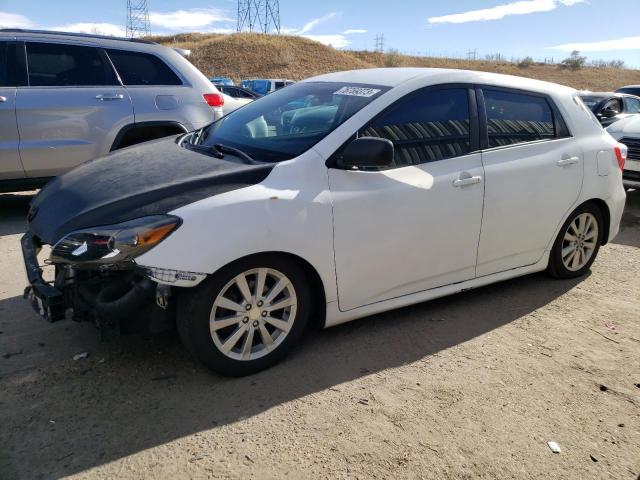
[[66, 98]]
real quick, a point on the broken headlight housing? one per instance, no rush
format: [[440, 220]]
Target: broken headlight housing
[[112, 244]]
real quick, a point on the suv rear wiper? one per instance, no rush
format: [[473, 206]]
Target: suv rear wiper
[[235, 151]]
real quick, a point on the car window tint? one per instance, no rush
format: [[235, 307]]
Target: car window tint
[[59, 65], [279, 85], [632, 105], [12, 73], [517, 118], [137, 68], [613, 104], [426, 126]]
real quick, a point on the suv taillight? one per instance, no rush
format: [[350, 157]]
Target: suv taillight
[[214, 99], [621, 156]]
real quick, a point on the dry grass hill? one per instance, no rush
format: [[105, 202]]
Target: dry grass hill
[[246, 55]]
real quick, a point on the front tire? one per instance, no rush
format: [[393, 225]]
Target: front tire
[[247, 316], [578, 243]]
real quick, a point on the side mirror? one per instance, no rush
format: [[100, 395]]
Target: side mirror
[[367, 152]]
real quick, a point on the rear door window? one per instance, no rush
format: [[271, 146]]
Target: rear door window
[[514, 118], [61, 65], [426, 126], [136, 68]]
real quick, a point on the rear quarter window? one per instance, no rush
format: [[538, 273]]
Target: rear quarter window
[[136, 68]]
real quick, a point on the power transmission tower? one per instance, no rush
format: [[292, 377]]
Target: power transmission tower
[[138, 18], [380, 43], [258, 16], [472, 55]]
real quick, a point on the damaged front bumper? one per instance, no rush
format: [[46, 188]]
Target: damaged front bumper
[[126, 296]]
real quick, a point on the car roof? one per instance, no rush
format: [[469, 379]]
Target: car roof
[[392, 77], [18, 33]]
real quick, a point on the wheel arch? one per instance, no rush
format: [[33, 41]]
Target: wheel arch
[[134, 133], [318, 292]]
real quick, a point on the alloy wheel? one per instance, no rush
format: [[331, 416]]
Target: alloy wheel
[[253, 314], [579, 241]]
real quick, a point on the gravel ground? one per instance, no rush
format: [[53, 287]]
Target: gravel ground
[[470, 386]]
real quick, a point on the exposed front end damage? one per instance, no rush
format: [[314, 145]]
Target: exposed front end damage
[[96, 280]]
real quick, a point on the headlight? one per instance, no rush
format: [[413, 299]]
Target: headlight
[[111, 244]]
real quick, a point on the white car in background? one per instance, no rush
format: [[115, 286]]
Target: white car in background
[[338, 197], [627, 132]]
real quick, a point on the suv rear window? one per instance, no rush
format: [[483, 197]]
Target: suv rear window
[[60, 65], [137, 68], [517, 118]]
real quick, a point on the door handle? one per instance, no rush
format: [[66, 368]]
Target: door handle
[[109, 96], [567, 161], [3, 99], [461, 182]]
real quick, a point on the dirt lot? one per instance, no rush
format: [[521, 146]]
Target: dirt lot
[[471, 386]]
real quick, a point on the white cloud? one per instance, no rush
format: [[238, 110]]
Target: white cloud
[[523, 7], [354, 30], [14, 20], [92, 28], [335, 40], [192, 19], [315, 22], [627, 43]]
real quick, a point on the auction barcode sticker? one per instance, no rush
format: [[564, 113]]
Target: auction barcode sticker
[[357, 91]]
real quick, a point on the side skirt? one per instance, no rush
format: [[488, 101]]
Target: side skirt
[[336, 317]]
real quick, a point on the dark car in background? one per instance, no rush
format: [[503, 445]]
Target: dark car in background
[[630, 89], [609, 107], [238, 92]]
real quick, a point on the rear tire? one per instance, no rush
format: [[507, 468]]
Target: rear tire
[[233, 328], [578, 243]]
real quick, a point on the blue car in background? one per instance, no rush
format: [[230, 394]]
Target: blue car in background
[[222, 81], [264, 86]]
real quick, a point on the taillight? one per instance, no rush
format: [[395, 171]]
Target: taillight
[[214, 99], [620, 156]]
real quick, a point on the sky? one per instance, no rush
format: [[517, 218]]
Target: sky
[[551, 29]]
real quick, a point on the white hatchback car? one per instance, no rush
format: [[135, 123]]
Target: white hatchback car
[[338, 197]]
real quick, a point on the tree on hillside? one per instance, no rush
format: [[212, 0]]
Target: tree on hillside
[[574, 61]]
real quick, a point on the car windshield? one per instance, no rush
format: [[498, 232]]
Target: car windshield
[[286, 123], [592, 100]]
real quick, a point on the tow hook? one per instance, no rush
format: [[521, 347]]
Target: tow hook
[[163, 292]]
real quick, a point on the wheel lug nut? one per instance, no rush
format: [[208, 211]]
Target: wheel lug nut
[[245, 319], [264, 314], [255, 324], [247, 307], [260, 303]]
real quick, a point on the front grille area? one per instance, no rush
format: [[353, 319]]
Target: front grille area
[[633, 144]]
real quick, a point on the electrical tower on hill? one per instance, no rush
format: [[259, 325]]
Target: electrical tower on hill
[[138, 18], [259, 16]]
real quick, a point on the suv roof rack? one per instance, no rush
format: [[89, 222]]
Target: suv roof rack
[[75, 34]]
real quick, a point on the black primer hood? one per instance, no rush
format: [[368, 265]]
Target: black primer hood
[[152, 178]]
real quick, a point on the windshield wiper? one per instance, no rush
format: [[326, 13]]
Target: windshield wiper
[[235, 151], [205, 149]]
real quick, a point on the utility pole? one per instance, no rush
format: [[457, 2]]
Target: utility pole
[[258, 16], [380, 43], [138, 18], [472, 54]]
